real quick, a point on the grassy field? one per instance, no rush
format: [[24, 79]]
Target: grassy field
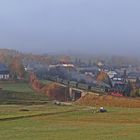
[[46, 82], [82, 124], [17, 87], [19, 93], [24, 117]]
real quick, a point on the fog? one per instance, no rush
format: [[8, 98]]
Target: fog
[[71, 26]]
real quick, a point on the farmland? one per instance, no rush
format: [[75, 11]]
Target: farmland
[[46, 82], [26, 115], [116, 124], [19, 93], [17, 87]]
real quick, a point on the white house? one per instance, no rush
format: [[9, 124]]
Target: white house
[[4, 72], [111, 74]]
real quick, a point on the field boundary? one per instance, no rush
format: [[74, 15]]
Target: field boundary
[[37, 115]]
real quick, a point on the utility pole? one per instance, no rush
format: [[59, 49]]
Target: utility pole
[[68, 85]]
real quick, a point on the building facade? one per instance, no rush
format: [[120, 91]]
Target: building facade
[[4, 72]]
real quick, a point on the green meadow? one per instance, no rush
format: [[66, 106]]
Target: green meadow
[[26, 115], [50, 122]]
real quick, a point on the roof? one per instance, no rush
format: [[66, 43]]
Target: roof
[[134, 74], [4, 69], [4, 72]]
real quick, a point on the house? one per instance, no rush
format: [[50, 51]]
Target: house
[[118, 79], [132, 76], [4, 72], [28, 68], [111, 74], [119, 84], [94, 70]]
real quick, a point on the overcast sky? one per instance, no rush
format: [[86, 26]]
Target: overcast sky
[[85, 26]]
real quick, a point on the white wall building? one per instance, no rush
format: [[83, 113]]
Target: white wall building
[[4, 72]]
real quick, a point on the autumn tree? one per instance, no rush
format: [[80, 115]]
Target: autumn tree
[[65, 59], [17, 67], [102, 76]]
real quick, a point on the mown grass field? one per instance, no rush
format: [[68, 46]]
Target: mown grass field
[[20, 93], [24, 117], [116, 124], [17, 87], [46, 82]]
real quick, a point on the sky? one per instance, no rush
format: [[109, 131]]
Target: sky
[[71, 26]]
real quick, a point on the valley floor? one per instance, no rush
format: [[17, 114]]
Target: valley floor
[[51, 122]]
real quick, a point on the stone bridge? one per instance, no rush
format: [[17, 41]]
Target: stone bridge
[[76, 93]]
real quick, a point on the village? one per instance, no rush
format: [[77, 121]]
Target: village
[[99, 77], [102, 78]]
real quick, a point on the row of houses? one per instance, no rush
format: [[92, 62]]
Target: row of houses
[[117, 77]]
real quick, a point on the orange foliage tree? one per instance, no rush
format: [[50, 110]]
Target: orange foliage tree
[[17, 67]]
